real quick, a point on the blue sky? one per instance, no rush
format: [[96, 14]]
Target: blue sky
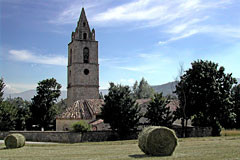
[[138, 38]]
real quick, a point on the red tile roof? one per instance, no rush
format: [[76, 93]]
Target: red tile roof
[[82, 109], [87, 109]]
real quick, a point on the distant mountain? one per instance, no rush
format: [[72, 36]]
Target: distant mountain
[[166, 88], [29, 94], [26, 95], [103, 91]]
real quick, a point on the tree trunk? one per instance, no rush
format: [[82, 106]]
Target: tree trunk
[[183, 127]]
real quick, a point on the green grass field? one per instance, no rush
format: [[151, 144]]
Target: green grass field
[[206, 148]]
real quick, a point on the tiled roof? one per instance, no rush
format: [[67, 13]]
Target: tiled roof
[[173, 105], [86, 109], [96, 122], [82, 109]]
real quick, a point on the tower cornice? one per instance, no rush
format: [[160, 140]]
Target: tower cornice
[[83, 64]]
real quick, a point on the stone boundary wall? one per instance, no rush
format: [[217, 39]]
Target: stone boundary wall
[[62, 136], [92, 136], [194, 132]]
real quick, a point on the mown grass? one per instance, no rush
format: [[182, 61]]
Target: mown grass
[[206, 148]]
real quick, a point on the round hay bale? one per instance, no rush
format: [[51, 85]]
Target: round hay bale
[[157, 141], [14, 141]]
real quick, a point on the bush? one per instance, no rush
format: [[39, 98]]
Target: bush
[[157, 141], [81, 126], [14, 141]]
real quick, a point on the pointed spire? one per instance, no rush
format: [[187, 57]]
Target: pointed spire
[[82, 30], [83, 22], [83, 15]]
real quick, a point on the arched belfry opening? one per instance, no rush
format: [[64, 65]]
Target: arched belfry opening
[[85, 55], [84, 35]]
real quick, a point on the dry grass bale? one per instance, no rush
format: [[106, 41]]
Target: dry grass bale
[[14, 141], [157, 141]]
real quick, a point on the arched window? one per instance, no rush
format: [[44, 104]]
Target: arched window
[[70, 57], [84, 35], [84, 24], [85, 55]]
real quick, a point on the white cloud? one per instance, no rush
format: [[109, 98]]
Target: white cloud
[[147, 12], [186, 25], [155, 12], [178, 18], [133, 11], [28, 56], [71, 12], [185, 35], [129, 81], [215, 30]]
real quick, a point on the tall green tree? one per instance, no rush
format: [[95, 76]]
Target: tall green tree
[[206, 95], [61, 106], [7, 112], [236, 104], [143, 90], [120, 110], [8, 115], [43, 108], [22, 111], [158, 113]]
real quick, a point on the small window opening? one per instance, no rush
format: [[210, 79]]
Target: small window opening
[[86, 71], [84, 35], [84, 24]]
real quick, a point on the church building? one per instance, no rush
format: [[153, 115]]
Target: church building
[[83, 101], [83, 67]]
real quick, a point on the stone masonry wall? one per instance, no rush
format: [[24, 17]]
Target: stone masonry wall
[[194, 131], [93, 136], [62, 137]]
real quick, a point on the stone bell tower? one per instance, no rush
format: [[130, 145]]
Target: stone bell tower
[[83, 67]]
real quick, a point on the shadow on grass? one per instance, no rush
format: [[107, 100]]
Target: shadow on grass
[[139, 156], [144, 156]]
